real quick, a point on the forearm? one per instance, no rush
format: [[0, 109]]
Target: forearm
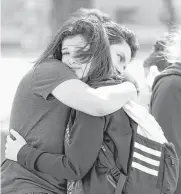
[[95, 102], [79, 156], [59, 166], [116, 96]]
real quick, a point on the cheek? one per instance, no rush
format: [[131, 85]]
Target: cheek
[[65, 60], [116, 62], [119, 66], [113, 56]]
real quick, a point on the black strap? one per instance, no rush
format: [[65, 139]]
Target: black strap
[[114, 173], [120, 183]]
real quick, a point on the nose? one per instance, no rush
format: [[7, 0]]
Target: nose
[[71, 62]]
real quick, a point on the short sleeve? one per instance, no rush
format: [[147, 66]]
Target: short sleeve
[[48, 75]]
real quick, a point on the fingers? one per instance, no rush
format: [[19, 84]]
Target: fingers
[[15, 134], [6, 145], [12, 146], [9, 139]]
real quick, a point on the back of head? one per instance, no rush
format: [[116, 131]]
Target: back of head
[[82, 12], [118, 33], [156, 57]]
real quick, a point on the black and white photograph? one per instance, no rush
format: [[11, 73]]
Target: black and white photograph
[[90, 97]]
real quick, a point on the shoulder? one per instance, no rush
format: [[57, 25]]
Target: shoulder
[[50, 71], [169, 82], [48, 75], [166, 88], [51, 65]]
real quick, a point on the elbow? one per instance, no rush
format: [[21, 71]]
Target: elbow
[[102, 110], [103, 113], [70, 174], [97, 110], [74, 170], [78, 172]]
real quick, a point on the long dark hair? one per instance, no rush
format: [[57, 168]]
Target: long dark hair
[[116, 33], [98, 52]]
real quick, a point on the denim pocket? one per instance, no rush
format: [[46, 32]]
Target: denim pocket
[[171, 170]]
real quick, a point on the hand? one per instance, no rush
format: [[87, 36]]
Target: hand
[[152, 75], [13, 146], [129, 77]]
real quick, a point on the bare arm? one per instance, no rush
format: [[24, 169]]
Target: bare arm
[[96, 102], [54, 77]]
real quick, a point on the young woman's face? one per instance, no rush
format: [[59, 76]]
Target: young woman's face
[[70, 45], [121, 55]]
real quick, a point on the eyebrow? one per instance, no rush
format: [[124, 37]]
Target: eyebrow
[[64, 48]]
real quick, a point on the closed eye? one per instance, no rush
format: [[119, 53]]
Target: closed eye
[[121, 58], [65, 53]]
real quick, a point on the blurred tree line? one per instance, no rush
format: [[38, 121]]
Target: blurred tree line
[[31, 23], [169, 15]]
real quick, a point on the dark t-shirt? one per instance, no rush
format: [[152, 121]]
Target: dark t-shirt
[[79, 161], [41, 119]]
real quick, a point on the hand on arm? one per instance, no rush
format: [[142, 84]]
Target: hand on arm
[[128, 76], [80, 156], [13, 146]]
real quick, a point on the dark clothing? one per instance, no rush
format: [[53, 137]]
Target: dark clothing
[[165, 106], [41, 119], [86, 137]]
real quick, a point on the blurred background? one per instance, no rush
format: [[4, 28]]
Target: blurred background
[[28, 25]]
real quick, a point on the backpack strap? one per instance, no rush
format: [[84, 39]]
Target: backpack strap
[[114, 175]]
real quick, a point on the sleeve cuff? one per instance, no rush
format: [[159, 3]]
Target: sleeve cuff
[[28, 155]]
